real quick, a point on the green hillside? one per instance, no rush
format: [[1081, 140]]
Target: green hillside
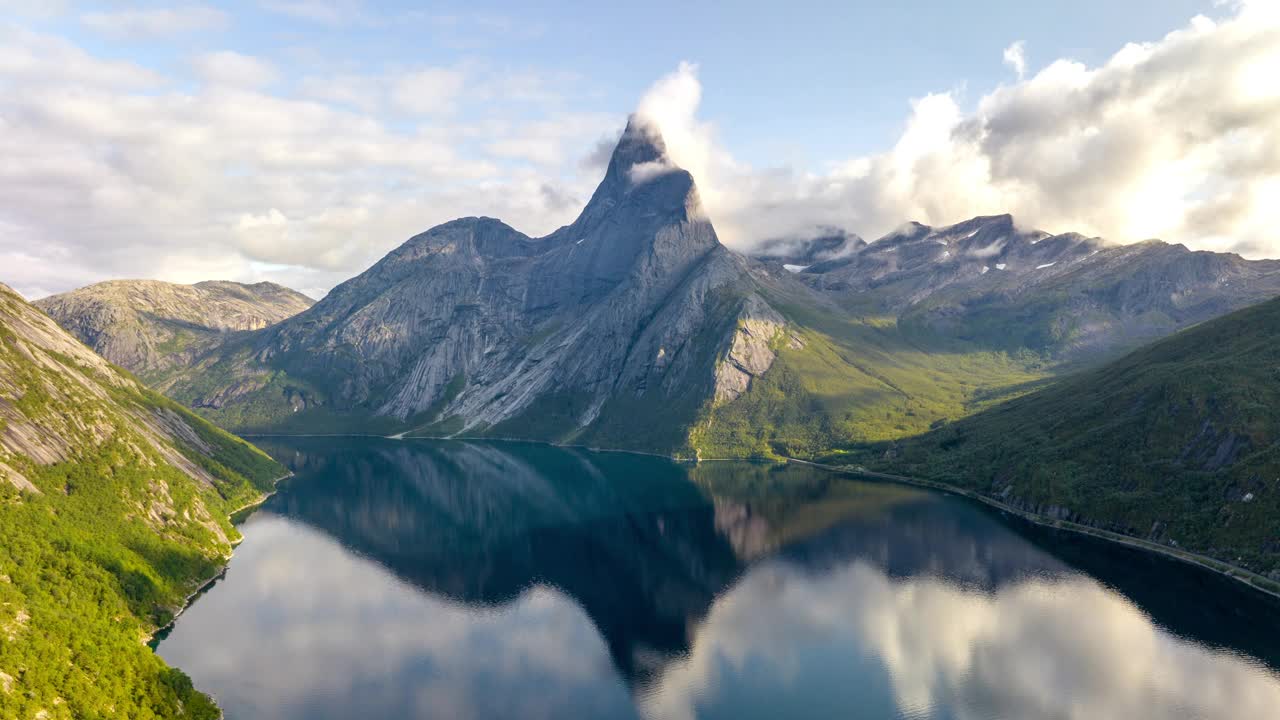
[[113, 509], [844, 378], [1178, 442]]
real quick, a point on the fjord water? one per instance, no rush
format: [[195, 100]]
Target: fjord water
[[415, 578]]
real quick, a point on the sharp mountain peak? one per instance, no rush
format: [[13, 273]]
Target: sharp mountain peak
[[641, 142]]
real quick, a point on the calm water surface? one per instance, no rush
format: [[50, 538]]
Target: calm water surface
[[406, 579]]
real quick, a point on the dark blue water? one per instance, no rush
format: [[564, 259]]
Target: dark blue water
[[404, 579]]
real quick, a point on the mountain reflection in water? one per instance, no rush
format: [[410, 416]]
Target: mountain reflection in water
[[451, 579]]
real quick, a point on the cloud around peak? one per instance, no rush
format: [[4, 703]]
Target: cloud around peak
[[1177, 139]]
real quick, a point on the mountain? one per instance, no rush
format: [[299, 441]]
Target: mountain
[[617, 329], [1066, 297], [149, 327], [634, 327], [113, 509], [935, 324], [1178, 442]]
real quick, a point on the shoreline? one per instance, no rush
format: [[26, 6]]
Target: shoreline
[[1203, 562], [1234, 572], [222, 571], [490, 438]]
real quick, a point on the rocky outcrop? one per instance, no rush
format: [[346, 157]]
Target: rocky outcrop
[[17, 479], [58, 398], [750, 352], [148, 326]]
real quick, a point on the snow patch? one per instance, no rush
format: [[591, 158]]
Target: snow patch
[[1041, 267], [946, 254], [795, 268], [1000, 266], [580, 241], [985, 270]]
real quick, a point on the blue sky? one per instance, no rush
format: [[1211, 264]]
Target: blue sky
[[298, 140], [799, 82]]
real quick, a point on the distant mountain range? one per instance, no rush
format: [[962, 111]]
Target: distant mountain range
[[148, 326], [113, 509], [1070, 297]]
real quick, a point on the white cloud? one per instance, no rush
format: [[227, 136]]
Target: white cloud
[[136, 24], [646, 171], [852, 637], [353, 626], [226, 67], [42, 9], [1015, 56], [324, 12], [429, 91], [113, 171], [1177, 139], [50, 63]]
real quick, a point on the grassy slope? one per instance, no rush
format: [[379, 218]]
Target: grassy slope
[[857, 379], [1164, 443], [110, 546]]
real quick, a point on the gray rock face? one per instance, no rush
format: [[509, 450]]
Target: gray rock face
[[77, 401], [475, 321], [750, 350], [148, 326], [1074, 298]]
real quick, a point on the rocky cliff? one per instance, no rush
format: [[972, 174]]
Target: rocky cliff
[[149, 327]]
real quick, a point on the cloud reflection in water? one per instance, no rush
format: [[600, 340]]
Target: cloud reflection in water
[[480, 580], [785, 640]]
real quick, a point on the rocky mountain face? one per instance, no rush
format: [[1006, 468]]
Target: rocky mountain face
[[610, 329], [149, 327], [1070, 297], [57, 398], [113, 509]]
